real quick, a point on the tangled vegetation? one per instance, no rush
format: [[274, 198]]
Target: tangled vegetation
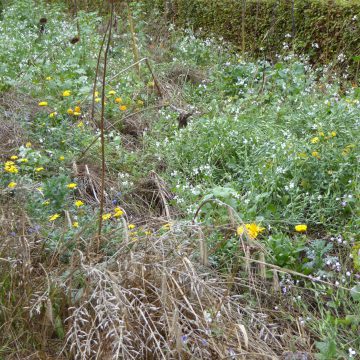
[[196, 204]]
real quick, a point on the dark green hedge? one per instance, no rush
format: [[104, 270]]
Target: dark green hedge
[[333, 25]]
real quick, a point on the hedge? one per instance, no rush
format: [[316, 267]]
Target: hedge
[[321, 29]]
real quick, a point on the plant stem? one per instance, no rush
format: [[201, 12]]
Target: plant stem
[[102, 137]]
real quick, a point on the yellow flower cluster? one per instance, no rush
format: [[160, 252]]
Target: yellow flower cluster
[[253, 230], [118, 212], [10, 167], [66, 93], [347, 149], [71, 186], [76, 111], [315, 140], [166, 227], [12, 184]]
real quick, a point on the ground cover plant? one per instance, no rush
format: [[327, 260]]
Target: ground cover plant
[[195, 204]]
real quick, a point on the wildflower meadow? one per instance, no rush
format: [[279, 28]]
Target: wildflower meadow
[[165, 194]]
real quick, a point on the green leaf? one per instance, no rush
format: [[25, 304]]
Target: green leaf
[[59, 329], [355, 292], [327, 350]]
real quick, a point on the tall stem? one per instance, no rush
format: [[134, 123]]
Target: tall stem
[[102, 135]]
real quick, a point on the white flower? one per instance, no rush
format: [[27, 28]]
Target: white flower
[[351, 352], [207, 316], [341, 57]]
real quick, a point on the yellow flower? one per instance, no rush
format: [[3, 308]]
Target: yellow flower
[[118, 100], [78, 203], [80, 124], [140, 103], [166, 227], [97, 99], [77, 109], [70, 111], [43, 103], [252, 229], [53, 114], [75, 224], [46, 202], [118, 212], [28, 144], [112, 92], [106, 216], [131, 226], [54, 217], [48, 78], [14, 157], [347, 149], [321, 133], [315, 140], [147, 232], [301, 228], [61, 158], [122, 107], [333, 133], [315, 154], [66, 93], [11, 185], [38, 169], [71, 186], [23, 160], [10, 167], [96, 93], [77, 113]]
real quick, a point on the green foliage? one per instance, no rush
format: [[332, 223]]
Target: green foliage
[[285, 251], [327, 350], [322, 29], [275, 142]]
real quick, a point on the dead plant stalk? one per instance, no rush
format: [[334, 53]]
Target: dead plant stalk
[[102, 120]]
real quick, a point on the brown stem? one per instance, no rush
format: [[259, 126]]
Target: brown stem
[[113, 124], [102, 137], [96, 73]]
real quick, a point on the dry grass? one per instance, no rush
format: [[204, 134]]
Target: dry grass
[[152, 299]]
